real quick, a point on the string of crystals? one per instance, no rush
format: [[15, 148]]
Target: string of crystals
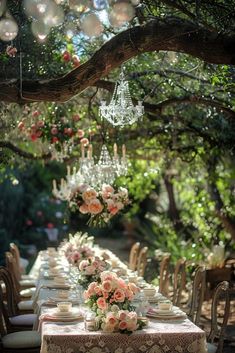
[[121, 111], [105, 171]]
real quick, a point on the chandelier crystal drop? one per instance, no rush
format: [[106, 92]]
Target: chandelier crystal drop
[[121, 111], [105, 171]]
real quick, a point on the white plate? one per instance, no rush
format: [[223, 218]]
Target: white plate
[[58, 286], [71, 314], [163, 312]]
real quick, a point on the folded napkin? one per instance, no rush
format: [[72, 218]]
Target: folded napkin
[[49, 317]]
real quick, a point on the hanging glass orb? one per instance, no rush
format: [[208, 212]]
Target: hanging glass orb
[[2, 7], [56, 19], [39, 8], [135, 2], [121, 12], [100, 4], [91, 25], [40, 30], [80, 5], [8, 29]]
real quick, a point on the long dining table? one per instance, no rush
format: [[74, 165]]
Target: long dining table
[[162, 335]]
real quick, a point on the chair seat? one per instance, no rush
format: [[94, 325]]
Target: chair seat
[[23, 320], [27, 293], [27, 283], [25, 305], [28, 277], [211, 348], [25, 339]]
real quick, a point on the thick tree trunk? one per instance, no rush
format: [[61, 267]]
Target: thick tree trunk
[[171, 34], [174, 213]]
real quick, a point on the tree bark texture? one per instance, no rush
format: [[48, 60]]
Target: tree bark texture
[[172, 34]]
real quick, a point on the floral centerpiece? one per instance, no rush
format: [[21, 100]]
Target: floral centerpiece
[[110, 298], [100, 203], [79, 247], [90, 270]]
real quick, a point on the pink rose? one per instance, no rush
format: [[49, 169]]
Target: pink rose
[[86, 295], [95, 206], [83, 264], [54, 131], [122, 325], [122, 314], [90, 270], [84, 208], [80, 133], [122, 283], [119, 295], [107, 286], [133, 287], [101, 303], [131, 326], [84, 141]]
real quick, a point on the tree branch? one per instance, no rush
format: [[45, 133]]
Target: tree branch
[[171, 34], [8, 145]]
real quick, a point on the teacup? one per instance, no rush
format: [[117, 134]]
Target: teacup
[[64, 307], [165, 305], [149, 292]]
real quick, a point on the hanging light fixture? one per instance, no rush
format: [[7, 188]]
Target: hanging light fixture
[[105, 171], [121, 111]]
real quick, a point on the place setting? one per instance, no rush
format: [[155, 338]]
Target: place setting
[[166, 311]]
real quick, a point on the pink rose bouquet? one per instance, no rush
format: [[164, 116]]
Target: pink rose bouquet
[[111, 300], [120, 320], [101, 204], [110, 290], [79, 247], [90, 270]]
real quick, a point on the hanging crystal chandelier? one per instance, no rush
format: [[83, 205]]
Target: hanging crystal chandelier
[[121, 111], [64, 152], [105, 171]]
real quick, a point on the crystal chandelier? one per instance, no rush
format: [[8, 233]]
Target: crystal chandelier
[[105, 171], [64, 151], [121, 111]]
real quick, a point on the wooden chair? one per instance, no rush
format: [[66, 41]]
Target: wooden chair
[[14, 250], [179, 281], [164, 275], [16, 342], [133, 257], [198, 291], [142, 261], [14, 320], [217, 331], [20, 285]]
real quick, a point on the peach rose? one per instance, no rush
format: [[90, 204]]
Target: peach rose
[[84, 208], [84, 141], [107, 286], [89, 194], [95, 206], [101, 303], [119, 295]]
